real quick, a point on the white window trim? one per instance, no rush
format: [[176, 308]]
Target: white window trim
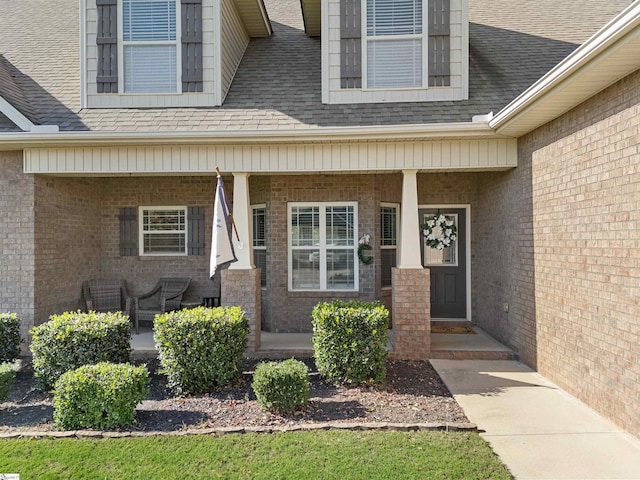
[[322, 247], [425, 51], [121, 44], [395, 247], [259, 206], [141, 231]]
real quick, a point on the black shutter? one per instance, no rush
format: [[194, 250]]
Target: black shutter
[[191, 45], [128, 232], [439, 43], [195, 224], [350, 44], [107, 42]]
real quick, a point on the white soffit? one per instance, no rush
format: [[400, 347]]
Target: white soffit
[[608, 56], [254, 17]]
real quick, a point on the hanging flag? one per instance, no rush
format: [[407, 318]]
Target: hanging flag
[[221, 246]]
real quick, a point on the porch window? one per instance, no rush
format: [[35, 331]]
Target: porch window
[[163, 230], [388, 241], [323, 242], [259, 217], [150, 46]]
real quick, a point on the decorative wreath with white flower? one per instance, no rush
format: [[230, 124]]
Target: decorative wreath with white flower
[[363, 244], [439, 232]]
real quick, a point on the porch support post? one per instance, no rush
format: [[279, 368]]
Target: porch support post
[[240, 284], [411, 302]]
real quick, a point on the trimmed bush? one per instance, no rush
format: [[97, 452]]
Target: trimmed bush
[[7, 375], [200, 348], [281, 386], [9, 337], [99, 396], [73, 339], [349, 340]]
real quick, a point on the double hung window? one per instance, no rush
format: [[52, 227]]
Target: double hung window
[[323, 246], [150, 46], [394, 44], [259, 217], [163, 231], [388, 241]]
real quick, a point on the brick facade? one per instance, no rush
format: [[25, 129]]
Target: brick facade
[[566, 257], [242, 288], [16, 240], [411, 308]]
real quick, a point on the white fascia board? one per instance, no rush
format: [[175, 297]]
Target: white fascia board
[[15, 116], [470, 130], [622, 25], [265, 17]]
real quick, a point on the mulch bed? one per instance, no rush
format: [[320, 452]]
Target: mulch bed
[[412, 393]]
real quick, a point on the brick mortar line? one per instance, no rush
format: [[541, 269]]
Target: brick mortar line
[[381, 426]]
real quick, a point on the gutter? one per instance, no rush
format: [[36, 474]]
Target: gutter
[[473, 130], [627, 21]]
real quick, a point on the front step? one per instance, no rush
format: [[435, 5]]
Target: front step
[[478, 346]]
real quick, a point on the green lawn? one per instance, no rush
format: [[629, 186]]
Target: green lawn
[[295, 455]]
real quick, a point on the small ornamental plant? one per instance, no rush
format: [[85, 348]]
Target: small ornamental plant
[[349, 341], [7, 376], [99, 396], [9, 337], [439, 232], [73, 339], [201, 348], [281, 386]]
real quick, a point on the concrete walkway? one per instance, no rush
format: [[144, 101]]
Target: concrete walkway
[[538, 430]]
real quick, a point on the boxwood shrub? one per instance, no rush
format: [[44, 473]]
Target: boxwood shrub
[[73, 339], [7, 375], [281, 386], [99, 396], [9, 337], [349, 340], [201, 348]]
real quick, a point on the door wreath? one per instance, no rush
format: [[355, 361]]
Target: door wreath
[[439, 232]]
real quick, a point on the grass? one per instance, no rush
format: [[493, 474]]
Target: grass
[[293, 455]]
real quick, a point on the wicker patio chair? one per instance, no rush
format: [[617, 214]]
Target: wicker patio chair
[[106, 295], [164, 297]]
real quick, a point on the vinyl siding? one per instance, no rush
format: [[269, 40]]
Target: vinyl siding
[[234, 41]]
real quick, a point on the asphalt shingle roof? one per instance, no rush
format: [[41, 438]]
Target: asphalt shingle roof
[[278, 83]]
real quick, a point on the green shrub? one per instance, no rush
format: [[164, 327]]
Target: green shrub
[[9, 337], [99, 396], [73, 339], [201, 347], [281, 386], [349, 340], [7, 375]]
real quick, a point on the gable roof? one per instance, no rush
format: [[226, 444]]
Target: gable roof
[[278, 83]]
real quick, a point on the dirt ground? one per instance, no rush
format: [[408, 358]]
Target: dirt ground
[[411, 393]]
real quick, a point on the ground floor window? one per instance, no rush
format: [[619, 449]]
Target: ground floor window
[[388, 241], [323, 244], [259, 219], [163, 230]]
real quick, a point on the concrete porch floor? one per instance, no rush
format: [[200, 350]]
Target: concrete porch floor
[[480, 346]]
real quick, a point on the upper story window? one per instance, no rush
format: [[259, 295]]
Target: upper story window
[[150, 46], [394, 44]]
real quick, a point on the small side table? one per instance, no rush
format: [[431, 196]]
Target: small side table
[[211, 301]]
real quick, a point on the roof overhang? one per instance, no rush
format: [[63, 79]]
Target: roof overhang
[[443, 131], [254, 17], [608, 56], [311, 15], [21, 121]]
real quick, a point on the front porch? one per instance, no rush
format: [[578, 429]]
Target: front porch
[[450, 346]]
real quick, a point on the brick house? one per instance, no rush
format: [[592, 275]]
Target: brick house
[[332, 119]]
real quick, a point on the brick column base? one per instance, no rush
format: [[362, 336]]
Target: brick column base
[[411, 314], [242, 288]]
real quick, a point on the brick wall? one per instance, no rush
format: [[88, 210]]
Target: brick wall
[[67, 242], [16, 240], [574, 200]]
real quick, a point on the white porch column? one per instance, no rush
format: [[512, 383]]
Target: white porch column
[[242, 219], [410, 223]]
